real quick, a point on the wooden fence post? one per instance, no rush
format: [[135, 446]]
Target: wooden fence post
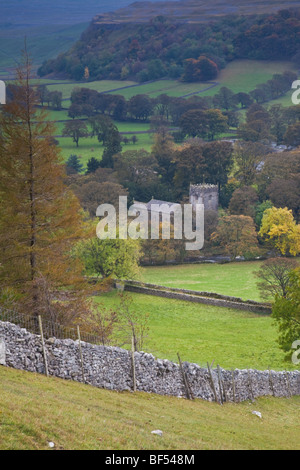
[[187, 387], [250, 384], [233, 386], [271, 383], [80, 352], [220, 384], [288, 383], [212, 383], [43, 346], [133, 364]]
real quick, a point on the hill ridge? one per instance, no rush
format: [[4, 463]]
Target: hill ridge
[[190, 11]]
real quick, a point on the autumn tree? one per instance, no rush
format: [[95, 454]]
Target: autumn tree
[[278, 116], [102, 126], [243, 201], [112, 147], [93, 193], [199, 70], [163, 149], [55, 98], [237, 235], [279, 180], [274, 277], [101, 324], [244, 99], [86, 73], [224, 99], [210, 224], [133, 325], [279, 229], [203, 123], [189, 165], [76, 130], [286, 193], [40, 218], [110, 257], [257, 126], [292, 135], [42, 94], [135, 166], [219, 160], [140, 107], [248, 157], [216, 123]]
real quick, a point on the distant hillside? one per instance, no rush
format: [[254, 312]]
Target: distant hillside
[[191, 11], [50, 26], [115, 47], [26, 13]]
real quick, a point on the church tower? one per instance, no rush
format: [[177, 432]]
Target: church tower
[[207, 194]]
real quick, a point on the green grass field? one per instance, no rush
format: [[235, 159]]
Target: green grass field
[[90, 147], [201, 333], [236, 279], [173, 88], [244, 75], [241, 75], [35, 410], [100, 86], [170, 87]]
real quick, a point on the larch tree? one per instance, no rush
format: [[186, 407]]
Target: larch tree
[[40, 218]]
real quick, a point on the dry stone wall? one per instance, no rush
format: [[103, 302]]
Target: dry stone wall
[[111, 368], [208, 298]]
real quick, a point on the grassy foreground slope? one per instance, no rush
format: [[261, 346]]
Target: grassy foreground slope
[[35, 410]]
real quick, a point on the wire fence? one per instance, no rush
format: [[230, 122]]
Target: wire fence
[[51, 329]]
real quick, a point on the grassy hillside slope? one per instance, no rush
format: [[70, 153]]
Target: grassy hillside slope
[[43, 42], [35, 410]]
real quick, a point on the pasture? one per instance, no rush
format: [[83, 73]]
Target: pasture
[[244, 75], [240, 75], [234, 279], [36, 410], [203, 333], [90, 147]]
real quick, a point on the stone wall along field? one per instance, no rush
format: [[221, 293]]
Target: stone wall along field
[[111, 368]]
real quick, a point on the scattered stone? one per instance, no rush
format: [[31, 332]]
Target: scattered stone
[[257, 413], [157, 432], [2, 352]]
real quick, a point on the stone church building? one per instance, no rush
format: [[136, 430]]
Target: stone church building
[[207, 194]]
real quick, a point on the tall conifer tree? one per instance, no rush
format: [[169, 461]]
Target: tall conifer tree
[[40, 218]]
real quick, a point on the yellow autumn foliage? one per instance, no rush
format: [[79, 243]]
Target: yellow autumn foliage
[[281, 230]]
